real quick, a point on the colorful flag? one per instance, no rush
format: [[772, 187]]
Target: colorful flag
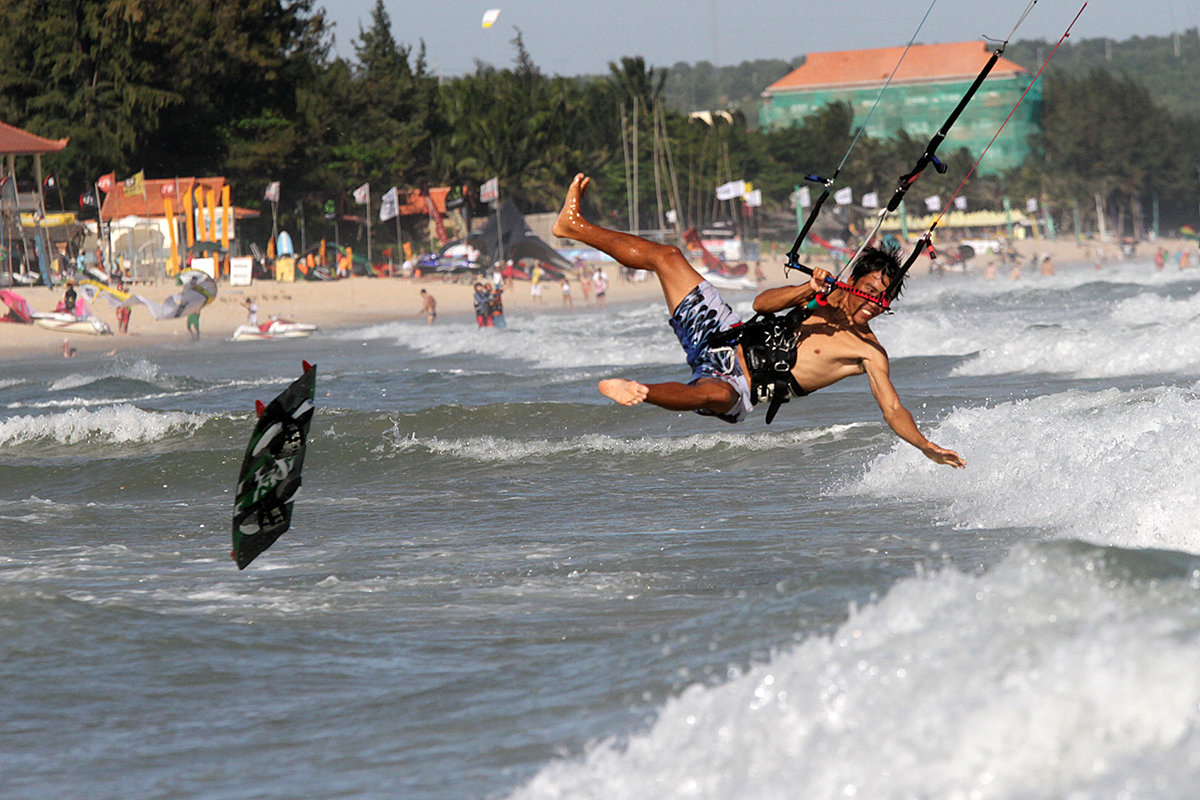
[[362, 194], [389, 206], [728, 191], [272, 192], [489, 191], [135, 184], [107, 182]]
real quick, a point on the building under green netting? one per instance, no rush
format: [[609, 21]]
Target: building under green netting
[[928, 85]]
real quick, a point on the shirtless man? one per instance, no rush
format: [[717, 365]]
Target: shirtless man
[[836, 341], [428, 306]]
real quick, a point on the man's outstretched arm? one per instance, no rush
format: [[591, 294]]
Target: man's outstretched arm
[[898, 417]]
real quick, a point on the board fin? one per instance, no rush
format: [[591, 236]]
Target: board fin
[[270, 473]]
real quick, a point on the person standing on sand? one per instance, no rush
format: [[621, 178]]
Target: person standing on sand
[[568, 301], [833, 340], [428, 306], [600, 284], [251, 311], [193, 325]]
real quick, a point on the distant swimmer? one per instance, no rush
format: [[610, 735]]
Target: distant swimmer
[[735, 366], [428, 306]]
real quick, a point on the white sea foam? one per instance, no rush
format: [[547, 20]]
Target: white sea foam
[[141, 370], [496, 448], [1041, 678], [112, 424], [546, 341], [1110, 467]]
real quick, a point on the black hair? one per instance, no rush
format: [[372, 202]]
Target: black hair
[[884, 260]]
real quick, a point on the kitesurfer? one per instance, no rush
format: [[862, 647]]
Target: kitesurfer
[[834, 340]]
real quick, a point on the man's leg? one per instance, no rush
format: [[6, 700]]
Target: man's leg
[[707, 394], [675, 274]]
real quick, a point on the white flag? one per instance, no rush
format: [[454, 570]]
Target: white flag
[[933, 203], [389, 206], [844, 196], [960, 203], [1031, 205], [728, 191], [489, 191], [870, 200], [362, 194], [805, 198], [753, 199], [272, 192]]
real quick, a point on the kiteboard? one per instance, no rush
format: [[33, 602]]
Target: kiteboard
[[270, 473]]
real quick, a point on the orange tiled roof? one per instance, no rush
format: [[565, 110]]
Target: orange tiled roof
[[414, 201], [117, 204], [14, 141], [862, 68]]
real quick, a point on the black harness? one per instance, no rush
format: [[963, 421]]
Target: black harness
[[769, 344]]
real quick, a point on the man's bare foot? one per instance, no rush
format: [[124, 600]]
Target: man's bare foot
[[627, 393], [570, 219]]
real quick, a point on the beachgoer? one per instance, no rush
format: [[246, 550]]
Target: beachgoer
[[535, 283], [68, 351], [600, 284], [1047, 267], [428, 306], [482, 301], [69, 298], [251, 311], [123, 312], [835, 341], [585, 286], [193, 324], [568, 301]]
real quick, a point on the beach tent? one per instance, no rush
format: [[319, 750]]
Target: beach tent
[[519, 242]]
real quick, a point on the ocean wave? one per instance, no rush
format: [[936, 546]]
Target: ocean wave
[[118, 424], [1112, 467], [499, 448], [546, 341], [953, 685]]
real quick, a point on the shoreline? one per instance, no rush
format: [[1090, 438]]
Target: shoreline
[[360, 301], [350, 303]]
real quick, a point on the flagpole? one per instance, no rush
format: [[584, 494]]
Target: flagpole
[[369, 259]]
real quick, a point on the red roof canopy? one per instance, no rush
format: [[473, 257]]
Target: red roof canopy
[[117, 204], [14, 141], [924, 62]]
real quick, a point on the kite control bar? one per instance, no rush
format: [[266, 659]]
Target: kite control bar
[[834, 283]]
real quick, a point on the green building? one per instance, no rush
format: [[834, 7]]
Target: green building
[[930, 82]]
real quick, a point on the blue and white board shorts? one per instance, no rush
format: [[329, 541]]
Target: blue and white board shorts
[[700, 314]]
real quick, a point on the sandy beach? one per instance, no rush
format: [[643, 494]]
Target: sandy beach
[[350, 303], [360, 301]]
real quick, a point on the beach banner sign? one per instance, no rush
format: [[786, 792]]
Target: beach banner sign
[[241, 271], [489, 191], [206, 265]]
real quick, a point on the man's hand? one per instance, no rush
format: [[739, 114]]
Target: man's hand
[[819, 282], [941, 455]]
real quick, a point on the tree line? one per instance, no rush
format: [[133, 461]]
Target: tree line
[[254, 91]]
